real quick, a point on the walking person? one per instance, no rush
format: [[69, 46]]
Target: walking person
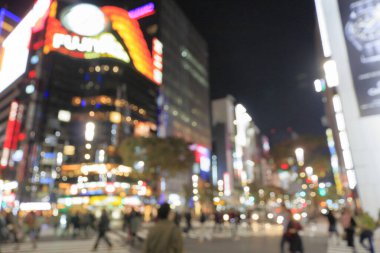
[[293, 237], [188, 221], [284, 238], [367, 227], [202, 229], [332, 226], [75, 221], [31, 224], [349, 226], [218, 222], [12, 227], [103, 227], [164, 236], [135, 223]]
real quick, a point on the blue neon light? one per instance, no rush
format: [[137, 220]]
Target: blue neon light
[[5, 13]]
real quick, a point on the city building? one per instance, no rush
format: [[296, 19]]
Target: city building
[[351, 67], [74, 91], [184, 102], [237, 154]]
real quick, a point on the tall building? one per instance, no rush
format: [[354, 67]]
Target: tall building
[[81, 83], [237, 160], [350, 47]]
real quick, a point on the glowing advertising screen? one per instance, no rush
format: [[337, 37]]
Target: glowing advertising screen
[[88, 32], [361, 24], [15, 49], [202, 158]]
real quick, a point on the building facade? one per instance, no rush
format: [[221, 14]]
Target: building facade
[[350, 48], [76, 91]]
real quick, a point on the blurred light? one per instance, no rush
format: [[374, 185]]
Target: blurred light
[[351, 179], [35, 206], [331, 73], [280, 219], [324, 211], [226, 217], [30, 89], [64, 116], [323, 28], [68, 150], [319, 85], [309, 171], [322, 185], [84, 19], [90, 131], [255, 216], [343, 138], [348, 159], [243, 216], [304, 215], [340, 121], [337, 103], [299, 156], [88, 146], [270, 215], [297, 216]]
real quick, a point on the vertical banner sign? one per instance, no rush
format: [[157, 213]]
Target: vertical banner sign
[[11, 134], [361, 24]]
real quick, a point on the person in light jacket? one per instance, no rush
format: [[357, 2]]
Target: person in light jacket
[[164, 236]]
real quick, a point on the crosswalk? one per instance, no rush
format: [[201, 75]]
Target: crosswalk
[[340, 246], [71, 246]]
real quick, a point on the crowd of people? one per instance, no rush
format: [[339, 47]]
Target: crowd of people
[[353, 223], [167, 232]]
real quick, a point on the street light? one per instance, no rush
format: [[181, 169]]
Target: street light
[[299, 156]]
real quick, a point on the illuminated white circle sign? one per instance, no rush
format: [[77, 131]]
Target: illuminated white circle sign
[[84, 19]]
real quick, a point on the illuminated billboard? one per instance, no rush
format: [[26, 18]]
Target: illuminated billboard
[[86, 31], [361, 24], [15, 48]]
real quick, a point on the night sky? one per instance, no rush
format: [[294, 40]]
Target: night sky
[[264, 54], [261, 52]]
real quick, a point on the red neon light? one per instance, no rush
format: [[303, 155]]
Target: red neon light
[[32, 74], [38, 45], [12, 130]]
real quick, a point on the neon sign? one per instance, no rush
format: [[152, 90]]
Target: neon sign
[[131, 46], [105, 45], [12, 133], [142, 11]]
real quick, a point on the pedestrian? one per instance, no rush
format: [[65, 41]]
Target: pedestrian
[[218, 221], [164, 236], [188, 221], [31, 224], [177, 218], [12, 227], [75, 221], [135, 222], [349, 225], [293, 237], [284, 239], [332, 226], [103, 227], [367, 227], [202, 229]]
